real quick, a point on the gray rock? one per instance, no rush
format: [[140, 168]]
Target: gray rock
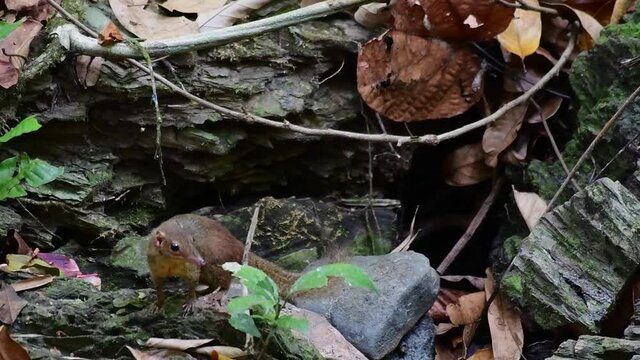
[[597, 348], [131, 253], [417, 344], [572, 267], [375, 323], [9, 219]]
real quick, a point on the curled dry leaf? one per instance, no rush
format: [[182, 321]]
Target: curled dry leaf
[[17, 45], [88, 69], [9, 349], [438, 311], [516, 154], [147, 24], [532, 207], [23, 248], [507, 337], [522, 36], [588, 22], [407, 17], [109, 35], [31, 283], [467, 310], [467, 20], [502, 132], [229, 14], [408, 78], [372, 15], [466, 166], [548, 107], [619, 9]]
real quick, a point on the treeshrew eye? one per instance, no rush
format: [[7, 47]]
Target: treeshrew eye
[[174, 246]]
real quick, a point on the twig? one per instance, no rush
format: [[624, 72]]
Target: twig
[[430, 139], [597, 139], [554, 145], [206, 40], [250, 234], [521, 4], [471, 229], [622, 149]]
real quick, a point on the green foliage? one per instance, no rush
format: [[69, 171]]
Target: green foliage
[[6, 28], [14, 171], [264, 301]]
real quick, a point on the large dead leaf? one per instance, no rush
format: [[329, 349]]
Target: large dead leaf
[[149, 25], [469, 20], [548, 107], [522, 36], [201, 346], [193, 6], [505, 325], [31, 283], [438, 311], [468, 309], [408, 78], [588, 22], [372, 15], [9, 349], [466, 166], [229, 14], [531, 207], [407, 17], [17, 46], [12, 304], [501, 133], [159, 354], [36, 9], [482, 354]]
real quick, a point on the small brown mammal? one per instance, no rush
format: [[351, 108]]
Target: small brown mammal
[[194, 248]]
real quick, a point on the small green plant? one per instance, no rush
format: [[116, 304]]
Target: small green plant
[[264, 302], [14, 171]]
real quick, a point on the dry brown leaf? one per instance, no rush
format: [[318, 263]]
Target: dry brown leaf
[[588, 22], [198, 345], [532, 207], [468, 20], [23, 248], [31, 283], [229, 14], [193, 6], [516, 154], [522, 36], [466, 166], [507, 337], [109, 35], [482, 354], [502, 132], [619, 9], [468, 333], [407, 17], [12, 304], [467, 310], [372, 15], [408, 78], [324, 337], [36, 9], [88, 69], [438, 311], [9, 349], [548, 108], [17, 45], [156, 354], [149, 25], [443, 328]]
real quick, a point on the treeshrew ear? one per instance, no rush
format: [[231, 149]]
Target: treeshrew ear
[[159, 237]]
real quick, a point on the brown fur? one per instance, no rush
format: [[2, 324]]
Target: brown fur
[[200, 238]]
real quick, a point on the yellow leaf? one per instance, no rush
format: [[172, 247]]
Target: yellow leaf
[[619, 9], [522, 36]]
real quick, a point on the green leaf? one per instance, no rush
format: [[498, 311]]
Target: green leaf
[[39, 172], [12, 192], [293, 323], [17, 262], [7, 169], [6, 28], [352, 275], [257, 282], [27, 125], [241, 304], [244, 323]]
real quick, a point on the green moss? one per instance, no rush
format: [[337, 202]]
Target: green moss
[[370, 244], [298, 260], [131, 253], [512, 284]]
